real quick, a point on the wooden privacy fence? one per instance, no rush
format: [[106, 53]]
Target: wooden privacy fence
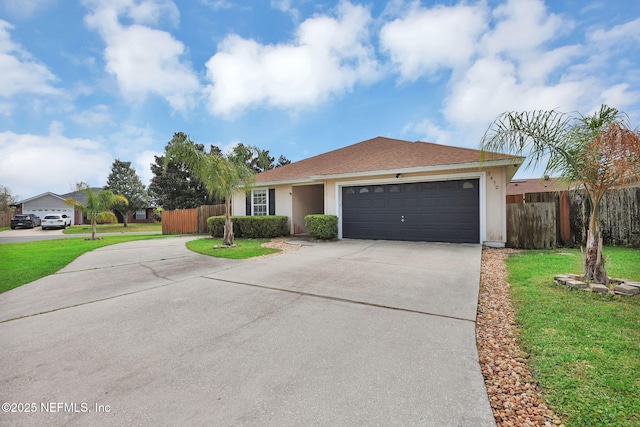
[[619, 219], [5, 219], [189, 221], [531, 225]]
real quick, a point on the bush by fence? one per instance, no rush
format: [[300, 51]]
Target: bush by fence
[[253, 227], [323, 227]]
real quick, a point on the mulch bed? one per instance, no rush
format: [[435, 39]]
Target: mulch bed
[[514, 394]]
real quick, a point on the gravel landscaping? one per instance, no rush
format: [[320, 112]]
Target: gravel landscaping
[[514, 394]]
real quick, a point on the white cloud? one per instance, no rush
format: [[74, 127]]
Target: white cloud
[[522, 26], [130, 139], [285, 6], [426, 40], [539, 66], [142, 164], [497, 60], [20, 72], [492, 86], [620, 33], [218, 4], [26, 8], [96, 116], [144, 60], [33, 164], [430, 132], [620, 96], [328, 57]]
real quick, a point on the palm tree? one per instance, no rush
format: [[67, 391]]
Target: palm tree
[[98, 206], [221, 175], [596, 152]]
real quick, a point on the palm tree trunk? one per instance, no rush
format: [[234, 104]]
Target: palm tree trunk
[[228, 225], [94, 220], [594, 268]]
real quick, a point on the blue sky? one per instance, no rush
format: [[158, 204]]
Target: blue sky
[[85, 82]]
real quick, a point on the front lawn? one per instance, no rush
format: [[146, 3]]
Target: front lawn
[[242, 249], [584, 347], [25, 262], [115, 228]]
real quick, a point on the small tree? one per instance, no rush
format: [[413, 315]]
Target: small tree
[[6, 199], [596, 152], [221, 175], [98, 206], [124, 180]]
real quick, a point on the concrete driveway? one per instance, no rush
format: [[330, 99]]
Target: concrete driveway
[[343, 333], [29, 234]]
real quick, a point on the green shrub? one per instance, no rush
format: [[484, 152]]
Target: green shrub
[[323, 227], [251, 227]]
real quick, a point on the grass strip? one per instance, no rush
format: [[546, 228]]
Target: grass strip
[[136, 227], [584, 347], [242, 249], [25, 262]]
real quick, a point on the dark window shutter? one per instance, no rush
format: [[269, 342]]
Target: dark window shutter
[[272, 201], [248, 204]]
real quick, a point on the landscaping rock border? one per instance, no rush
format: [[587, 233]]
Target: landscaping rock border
[[619, 286], [514, 394]]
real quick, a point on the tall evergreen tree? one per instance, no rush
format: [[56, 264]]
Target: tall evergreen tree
[[255, 158], [282, 161], [176, 186], [124, 180]]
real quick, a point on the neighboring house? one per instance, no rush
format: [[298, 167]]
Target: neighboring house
[[141, 215], [50, 203], [47, 204], [517, 188], [390, 189]]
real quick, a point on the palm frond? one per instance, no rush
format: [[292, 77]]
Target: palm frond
[[539, 135]]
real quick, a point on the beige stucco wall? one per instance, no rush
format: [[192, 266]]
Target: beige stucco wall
[[283, 202], [496, 207], [238, 201], [307, 199]]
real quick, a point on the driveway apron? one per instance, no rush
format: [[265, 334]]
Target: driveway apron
[[342, 333]]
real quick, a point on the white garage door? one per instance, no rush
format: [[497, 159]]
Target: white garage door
[[43, 212]]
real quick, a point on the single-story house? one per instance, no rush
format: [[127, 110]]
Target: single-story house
[[51, 203], [390, 189]]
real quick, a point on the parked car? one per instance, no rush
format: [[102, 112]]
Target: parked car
[[25, 221], [55, 221]]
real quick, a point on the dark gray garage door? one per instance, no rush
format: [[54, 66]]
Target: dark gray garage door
[[442, 211]]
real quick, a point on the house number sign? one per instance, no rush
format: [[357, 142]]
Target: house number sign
[[495, 183]]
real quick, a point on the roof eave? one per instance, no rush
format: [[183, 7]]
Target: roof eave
[[516, 162], [308, 180], [48, 193]]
